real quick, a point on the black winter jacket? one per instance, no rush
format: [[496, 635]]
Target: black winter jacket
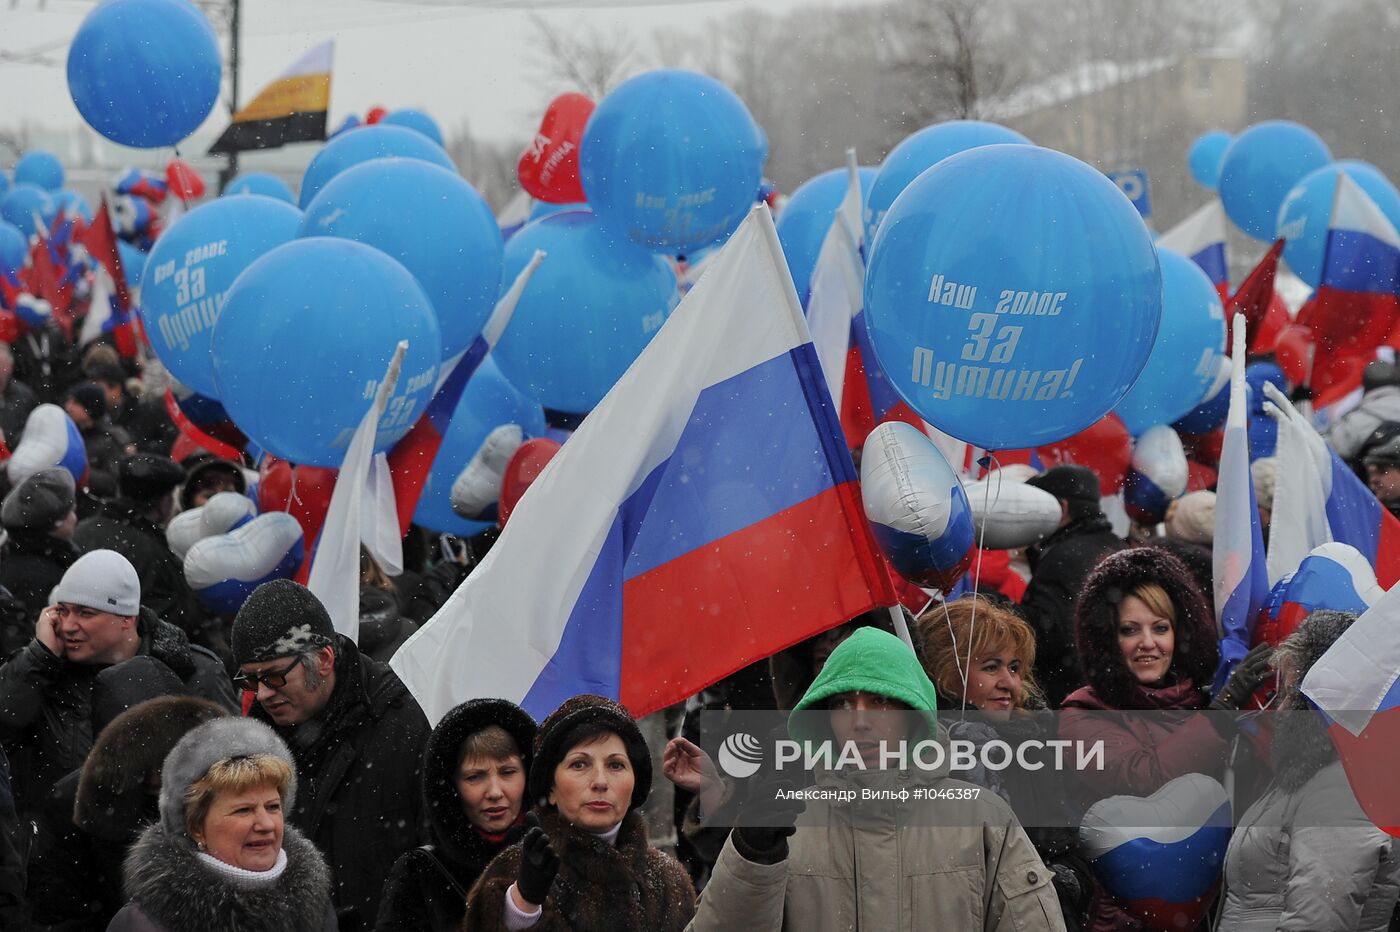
[[46, 703], [358, 795], [1060, 564], [30, 566]]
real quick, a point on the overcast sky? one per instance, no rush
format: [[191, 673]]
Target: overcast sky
[[466, 60]]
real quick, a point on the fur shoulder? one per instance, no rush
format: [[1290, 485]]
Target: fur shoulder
[[486, 899], [166, 878]]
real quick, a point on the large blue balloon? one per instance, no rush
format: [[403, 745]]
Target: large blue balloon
[[145, 73], [1307, 211], [1012, 296], [40, 168], [23, 203], [1261, 166], [1207, 155], [590, 308], [670, 160], [304, 337], [191, 267], [1186, 355], [14, 247], [488, 402], [415, 120], [363, 145], [73, 203], [433, 222], [921, 151], [263, 183], [807, 216]]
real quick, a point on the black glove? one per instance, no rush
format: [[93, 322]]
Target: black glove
[[1249, 674], [773, 797], [538, 863]]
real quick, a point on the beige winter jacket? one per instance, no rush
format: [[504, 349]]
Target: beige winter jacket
[[875, 866]]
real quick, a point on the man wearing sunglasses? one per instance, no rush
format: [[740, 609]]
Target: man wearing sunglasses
[[355, 731]]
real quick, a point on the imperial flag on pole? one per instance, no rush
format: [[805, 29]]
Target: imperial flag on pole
[[704, 515], [290, 109]]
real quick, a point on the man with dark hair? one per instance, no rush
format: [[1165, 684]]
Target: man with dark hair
[[133, 524], [355, 730], [1059, 566]]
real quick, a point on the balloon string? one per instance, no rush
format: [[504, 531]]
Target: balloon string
[[291, 492], [987, 504]]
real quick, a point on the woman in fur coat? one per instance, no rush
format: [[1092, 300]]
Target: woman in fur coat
[[586, 865], [221, 859], [1147, 643]]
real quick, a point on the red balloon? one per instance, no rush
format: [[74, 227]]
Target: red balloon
[[375, 115], [548, 168], [1292, 349], [1105, 446], [184, 182], [525, 465], [304, 492]]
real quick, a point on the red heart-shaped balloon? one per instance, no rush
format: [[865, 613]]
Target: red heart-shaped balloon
[[548, 168], [1105, 446], [304, 492]]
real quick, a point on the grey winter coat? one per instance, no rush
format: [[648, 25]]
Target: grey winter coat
[[173, 891], [1309, 860], [978, 871]]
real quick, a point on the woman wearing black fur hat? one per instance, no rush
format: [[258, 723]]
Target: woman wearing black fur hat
[[1146, 643], [1305, 856], [221, 858], [474, 774], [587, 864]]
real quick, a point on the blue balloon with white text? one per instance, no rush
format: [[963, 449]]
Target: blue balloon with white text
[[431, 220], [591, 307], [304, 338], [670, 161], [1012, 296], [190, 268]]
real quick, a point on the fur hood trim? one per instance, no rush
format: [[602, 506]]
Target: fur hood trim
[[1096, 619]]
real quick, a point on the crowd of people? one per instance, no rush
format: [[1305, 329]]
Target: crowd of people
[[166, 767]]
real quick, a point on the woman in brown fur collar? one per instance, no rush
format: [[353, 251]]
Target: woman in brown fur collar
[[586, 863]]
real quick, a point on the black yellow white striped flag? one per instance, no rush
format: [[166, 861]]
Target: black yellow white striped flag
[[290, 109]]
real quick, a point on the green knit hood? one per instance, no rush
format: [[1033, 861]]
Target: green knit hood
[[869, 661]]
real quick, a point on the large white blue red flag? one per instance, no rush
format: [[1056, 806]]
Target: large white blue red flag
[[1356, 684], [704, 515], [1355, 307], [1201, 238], [1323, 500], [1241, 581]]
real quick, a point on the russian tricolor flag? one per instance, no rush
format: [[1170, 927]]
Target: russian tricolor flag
[[1355, 685], [1322, 500], [1355, 307], [1334, 576], [703, 516], [1201, 238], [1241, 581]]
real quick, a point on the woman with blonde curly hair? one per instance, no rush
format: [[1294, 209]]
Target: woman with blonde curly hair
[[994, 676]]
